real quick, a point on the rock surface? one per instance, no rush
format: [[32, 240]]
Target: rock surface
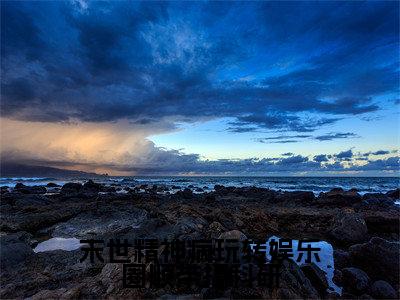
[[378, 257], [92, 210]]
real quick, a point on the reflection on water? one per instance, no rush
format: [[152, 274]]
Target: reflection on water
[[326, 263], [57, 243]]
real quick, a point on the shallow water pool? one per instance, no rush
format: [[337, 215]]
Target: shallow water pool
[[58, 243], [326, 263]]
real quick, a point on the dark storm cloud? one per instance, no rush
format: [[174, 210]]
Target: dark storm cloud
[[379, 152], [321, 158], [294, 138], [148, 61], [281, 137], [344, 154], [334, 136], [287, 154]]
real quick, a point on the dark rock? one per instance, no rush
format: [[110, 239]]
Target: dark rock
[[218, 187], [341, 258], [92, 187], [71, 188], [294, 283], [369, 196], [189, 225], [14, 250], [382, 290], [338, 197], [337, 277], [24, 189], [20, 185], [394, 194], [350, 229], [215, 229], [355, 280], [52, 184], [316, 276], [234, 235], [186, 193], [209, 198], [302, 196], [375, 204], [366, 296], [379, 258]]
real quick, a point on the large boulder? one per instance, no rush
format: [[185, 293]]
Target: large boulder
[[215, 229], [24, 189], [316, 276], [14, 250], [339, 197], [92, 187], [71, 188], [355, 280], [341, 258], [233, 235], [379, 258], [350, 229], [382, 290], [394, 194], [294, 284]]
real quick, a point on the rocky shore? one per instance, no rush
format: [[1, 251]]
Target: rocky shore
[[363, 231]]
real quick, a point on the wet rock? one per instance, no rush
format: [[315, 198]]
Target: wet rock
[[106, 221], [91, 187], [316, 276], [34, 201], [61, 293], [234, 235], [23, 189], [369, 196], [394, 194], [52, 184], [350, 229], [338, 277], [215, 229], [71, 188], [355, 280], [188, 225], [14, 250], [209, 198], [339, 197], [365, 296], [379, 258], [302, 196], [186, 193], [20, 185], [382, 203], [382, 290], [381, 220], [294, 283], [341, 258]]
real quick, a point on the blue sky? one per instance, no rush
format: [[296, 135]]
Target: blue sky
[[202, 87]]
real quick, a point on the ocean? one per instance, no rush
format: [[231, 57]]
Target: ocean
[[314, 184]]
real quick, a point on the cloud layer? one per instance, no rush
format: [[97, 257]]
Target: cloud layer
[[152, 65]]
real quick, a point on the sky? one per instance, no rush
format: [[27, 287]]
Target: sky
[[202, 88]]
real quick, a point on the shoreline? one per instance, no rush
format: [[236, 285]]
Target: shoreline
[[343, 218]]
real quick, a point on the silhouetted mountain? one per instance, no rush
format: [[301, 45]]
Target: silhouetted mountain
[[20, 170]]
